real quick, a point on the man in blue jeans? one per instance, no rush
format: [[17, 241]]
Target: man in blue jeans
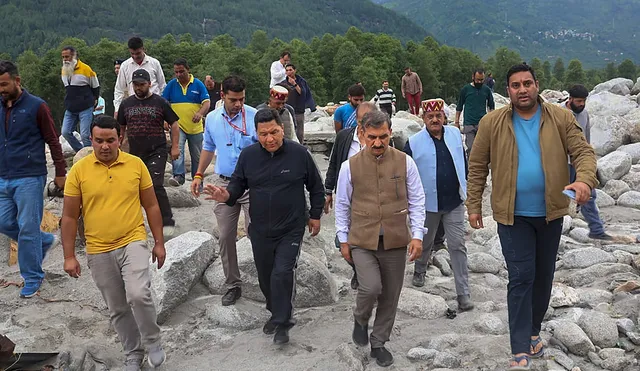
[[82, 93], [27, 126], [576, 103]]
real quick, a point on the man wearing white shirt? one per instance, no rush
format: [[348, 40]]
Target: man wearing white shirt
[[378, 188], [139, 59], [278, 71]]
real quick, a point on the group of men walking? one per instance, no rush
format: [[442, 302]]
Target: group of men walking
[[389, 202]]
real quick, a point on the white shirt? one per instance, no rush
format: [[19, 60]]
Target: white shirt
[[127, 68], [278, 73], [355, 146], [415, 198]]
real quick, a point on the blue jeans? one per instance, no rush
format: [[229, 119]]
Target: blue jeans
[[529, 247], [195, 147], [69, 126], [21, 208], [589, 210]]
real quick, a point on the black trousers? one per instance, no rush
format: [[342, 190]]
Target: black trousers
[[439, 239], [529, 247], [276, 260], [156, 162], [388, 108]]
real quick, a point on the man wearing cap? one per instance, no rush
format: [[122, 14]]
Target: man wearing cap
[[378, 190], [228, 130], [142, 117], [277, 98], [442, 164], [190, 100]]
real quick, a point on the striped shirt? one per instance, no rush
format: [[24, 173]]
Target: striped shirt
[[385, 96], [82, 88]]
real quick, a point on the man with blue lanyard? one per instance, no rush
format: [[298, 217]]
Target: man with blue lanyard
[[190, 101], [228, 130], [442, 165], [345, 116]]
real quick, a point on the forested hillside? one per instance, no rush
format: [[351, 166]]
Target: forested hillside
[[595, 31], [42, 24]]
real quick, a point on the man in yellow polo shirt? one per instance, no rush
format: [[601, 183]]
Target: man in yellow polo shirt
[[107, 186], [190, 100]]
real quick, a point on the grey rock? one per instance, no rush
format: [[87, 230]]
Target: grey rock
[[483, 263], [633, 180], [630, 199], [586, 257], [188, 255], [490, 324], [593, 297], [613, 166], [421, 305], [636, 87], [559, 356], [632, 249], [445, 341], [578, 223], [483, 235], [623, 257], [614, 359], [625, 325], [440, 262], [563, 296], [181, 197], [580, 235], [446, 359], [619, 86], [601, 329], [566, 224], [351, 357], [615, 188], [603, 199], [403, 128], [595, 358], [626, 344], [572, 336], [421, 354], [609, 132], [589, 275], [633, 150], [571, 314], [315, 285], [242, 316], [634, 337], [551, 365]]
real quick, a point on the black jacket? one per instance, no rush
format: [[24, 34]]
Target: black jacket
[[276, 187]]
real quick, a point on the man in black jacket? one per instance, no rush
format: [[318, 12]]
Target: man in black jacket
[[276, 171], [348, 142]]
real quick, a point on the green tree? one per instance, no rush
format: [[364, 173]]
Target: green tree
[[610, 71], [627, 70], [536, 64], [259, 43], [346, 58], [546, 69], [558, 69], [500, 63], [574, 74]]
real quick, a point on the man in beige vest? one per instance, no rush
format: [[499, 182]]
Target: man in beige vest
[[378, 188]]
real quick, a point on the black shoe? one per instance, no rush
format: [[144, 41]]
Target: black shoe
[[465, 303], [418, 279], [281, 336], [382, 356], [354, 281], [269, 328], [231, 296], [360, 334], [602, 237]]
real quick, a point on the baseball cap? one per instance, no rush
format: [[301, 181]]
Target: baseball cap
[[141, 75]]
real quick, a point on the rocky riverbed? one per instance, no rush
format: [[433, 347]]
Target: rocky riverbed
[[593, 322]]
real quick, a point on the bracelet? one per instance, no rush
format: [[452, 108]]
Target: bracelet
[[199, 174], [69, 257], [197, 177]]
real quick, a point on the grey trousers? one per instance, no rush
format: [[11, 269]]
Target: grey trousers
[[300, 127], [122, 276], [469, 132], [380, 275], [454, 231], [227, 217]]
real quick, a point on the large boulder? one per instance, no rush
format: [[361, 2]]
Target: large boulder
[[636, 87], [409, 116], [615, 188], [634, 119], [633, 150], [402, 129], [421, 305], [619, 86], [603, 199], [563, 296], [633, 180], [86, 151], [601, 329], [67, 151], [630, 199], [615, 165], [608, 104], [188, 255], [483, 263], [586, 257], [243, 315], [554, 96], [608, 133], [315, 286], [572, 336], [181, 197]]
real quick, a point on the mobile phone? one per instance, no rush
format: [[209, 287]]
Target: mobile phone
[[570, 193]]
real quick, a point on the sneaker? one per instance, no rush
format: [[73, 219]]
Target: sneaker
[[383, 356], [269, 328], [156, 356], [30, 289], [354, 281], [465, 303], [418, 279], [360, 334], [602, 237], [176, 181], [282, 336], [232, 295]]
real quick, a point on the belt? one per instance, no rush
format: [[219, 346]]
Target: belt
[[227, 178]]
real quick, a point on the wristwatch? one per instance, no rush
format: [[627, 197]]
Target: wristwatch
[[328, 192]]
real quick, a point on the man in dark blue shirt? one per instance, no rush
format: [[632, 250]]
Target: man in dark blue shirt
[[442, 164]]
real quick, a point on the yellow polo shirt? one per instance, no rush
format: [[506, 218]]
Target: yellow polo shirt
[[111, 205]]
